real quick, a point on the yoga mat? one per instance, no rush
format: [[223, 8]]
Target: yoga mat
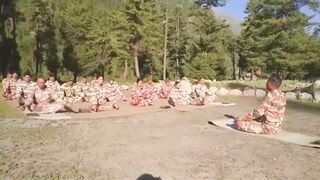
[[282, 135]]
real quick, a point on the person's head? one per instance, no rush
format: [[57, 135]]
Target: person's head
[[274, 82], [26, 77], [15, 75], [9, 75], [202, 81], [84, 80], [41, 83], [167, 81], [100, 80], [139, 81], [111, 81], [177, 84], [51, 78], [96, 76]]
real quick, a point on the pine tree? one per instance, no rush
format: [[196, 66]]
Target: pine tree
[[274, 38]]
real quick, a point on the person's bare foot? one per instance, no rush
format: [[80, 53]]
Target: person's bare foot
[[115, 106]]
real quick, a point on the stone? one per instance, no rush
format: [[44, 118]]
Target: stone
[[235, 92], [316, 95], [260, 93], [213, 89], [291, 95], [249, 92], [316, 90], [124, 87], [222, 92], [305, 96]]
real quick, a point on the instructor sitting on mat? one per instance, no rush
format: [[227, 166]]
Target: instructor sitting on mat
[[269, 115]]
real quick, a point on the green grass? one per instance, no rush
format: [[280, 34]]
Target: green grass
[[7, 110]]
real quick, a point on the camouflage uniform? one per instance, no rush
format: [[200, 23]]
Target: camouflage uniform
[[202, 95], [25, 92], [114, 93], [99, 100], [179, 96], [5, 87], [68, 93], [270, 113], [165, 91], [44, 101], [82, 91], [55, 89], [140, 96], [11, 89]]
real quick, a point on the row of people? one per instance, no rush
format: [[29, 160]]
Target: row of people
[[46, 96], [102, 95]]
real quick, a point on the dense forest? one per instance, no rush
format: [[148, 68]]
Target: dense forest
[[124, 39]]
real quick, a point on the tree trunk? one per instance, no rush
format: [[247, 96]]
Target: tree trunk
[[75, 76], [233, 65], [125, 74], [136, 62], [165, 46]]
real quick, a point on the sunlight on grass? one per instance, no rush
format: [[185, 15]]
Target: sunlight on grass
[[7, 110]]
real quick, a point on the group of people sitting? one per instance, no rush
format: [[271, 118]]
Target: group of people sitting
[[49, 96]]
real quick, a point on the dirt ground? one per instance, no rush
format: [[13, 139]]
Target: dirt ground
[[169, 144]]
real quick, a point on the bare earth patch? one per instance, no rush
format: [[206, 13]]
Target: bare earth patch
[[169, 144]]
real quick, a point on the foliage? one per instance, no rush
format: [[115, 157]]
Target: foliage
[[274, 38], [123, 39]]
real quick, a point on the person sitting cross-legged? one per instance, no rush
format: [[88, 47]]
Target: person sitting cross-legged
[[179, 96], [267, 118]]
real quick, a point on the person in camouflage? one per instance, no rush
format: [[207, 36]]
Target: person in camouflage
[[114, 94], [43, 99], [202, 94], [179, 96], [165, 90], [267, 118], [140, 94], [25, 90], [12, 87], [99, 100], [82, 90], [55, 89], [5, 85], [68, 93]]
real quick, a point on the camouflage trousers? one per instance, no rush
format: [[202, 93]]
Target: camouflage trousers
[[248, 123]]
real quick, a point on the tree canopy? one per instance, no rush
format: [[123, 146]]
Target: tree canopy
[[124, 39]]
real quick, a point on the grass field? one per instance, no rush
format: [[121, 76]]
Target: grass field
[[7, 110]]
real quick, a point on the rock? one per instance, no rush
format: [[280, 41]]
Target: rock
[[291, 95], [222, 92], [186, 85], [260, 93], [213, 89], [316, 95], [249, 92], [235, 92], [124, 87], [305, 96], [316, 90]]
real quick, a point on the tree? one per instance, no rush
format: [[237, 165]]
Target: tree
[[138, 23], [9, 56], [209, 39], [274, 37]]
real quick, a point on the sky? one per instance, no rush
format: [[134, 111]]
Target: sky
[[236, 8]]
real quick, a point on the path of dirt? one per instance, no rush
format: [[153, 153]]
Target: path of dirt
[[169, 144]]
